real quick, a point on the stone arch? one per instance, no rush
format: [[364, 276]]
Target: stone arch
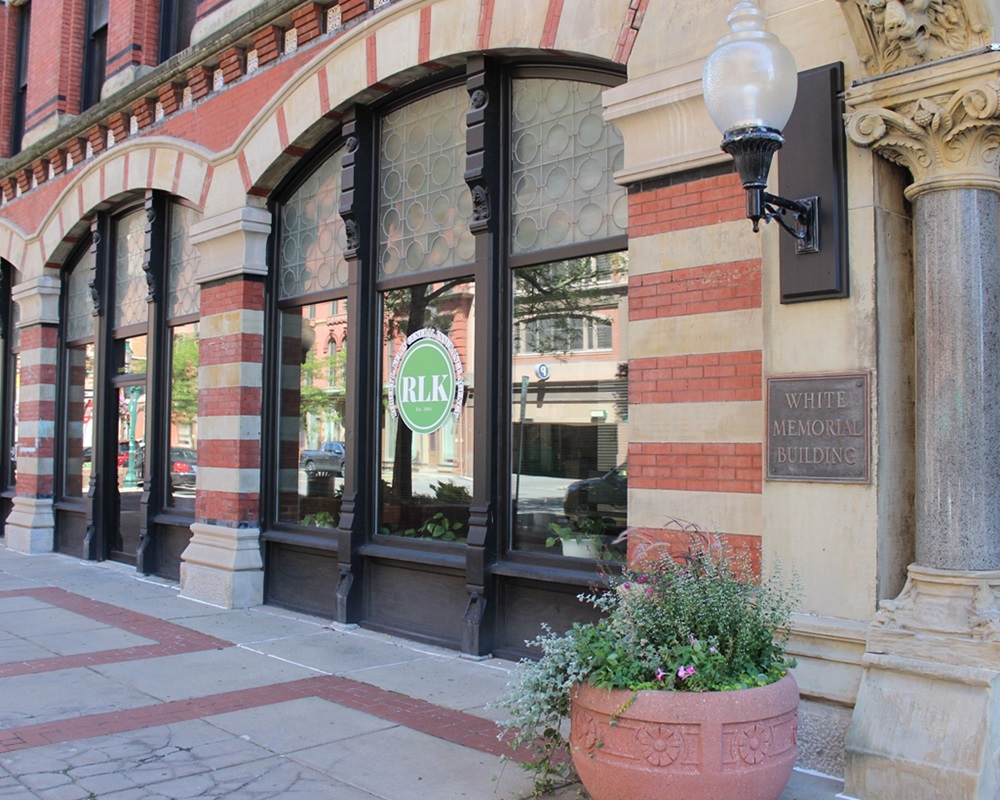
[[168, 165], [13, 244], [402, 44]]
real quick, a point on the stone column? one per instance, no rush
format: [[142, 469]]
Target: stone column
[[926, 723], [222, 564], [30, 525]]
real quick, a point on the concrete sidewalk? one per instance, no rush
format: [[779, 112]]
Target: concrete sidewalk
[[113, 687]]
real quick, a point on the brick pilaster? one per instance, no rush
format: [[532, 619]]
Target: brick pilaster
[[222, 564], [30, 526]]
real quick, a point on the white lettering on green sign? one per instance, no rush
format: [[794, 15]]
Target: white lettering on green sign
[[426, 381]]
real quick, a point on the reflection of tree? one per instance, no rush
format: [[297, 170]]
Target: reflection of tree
[[184, 379], [552, 299], [407, 311], [319, 397]]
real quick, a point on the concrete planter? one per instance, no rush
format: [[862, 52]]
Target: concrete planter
[[685, 745]]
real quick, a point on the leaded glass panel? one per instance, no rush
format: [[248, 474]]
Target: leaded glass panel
[[184, 294], [313, 236], [564, 159], [131, 305], [79, 303], [425, 203]]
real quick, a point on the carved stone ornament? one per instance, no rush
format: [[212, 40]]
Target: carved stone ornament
[[942, 615], [937, 138], [353, 235], [893, 34], [478, 99], [480, 204]]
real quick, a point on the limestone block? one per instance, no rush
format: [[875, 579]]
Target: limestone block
[[30, 526], [223, 566]]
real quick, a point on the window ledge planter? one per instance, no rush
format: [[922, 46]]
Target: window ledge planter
[[660, 745]]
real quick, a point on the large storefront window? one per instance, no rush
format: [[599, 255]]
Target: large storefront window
[[570, 476], [78, 439], [129, 387], [183, 305], [427, 415], [312, 353], [469, 240]]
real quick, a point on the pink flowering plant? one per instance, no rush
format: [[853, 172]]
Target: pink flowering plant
[[697, 622]]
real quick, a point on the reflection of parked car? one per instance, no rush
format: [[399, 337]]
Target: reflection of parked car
[[328, 459], [183, 467], [605, 497], [140, 456]]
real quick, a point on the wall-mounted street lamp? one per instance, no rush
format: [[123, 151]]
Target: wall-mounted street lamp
[[749, 84]]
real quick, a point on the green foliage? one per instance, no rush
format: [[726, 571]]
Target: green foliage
[[437, 527], [449, 492], [587, 529], [321, 519], [184, 379], [695, 624]]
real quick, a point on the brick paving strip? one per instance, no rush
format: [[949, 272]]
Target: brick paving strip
[[172, 639], [444, 723]]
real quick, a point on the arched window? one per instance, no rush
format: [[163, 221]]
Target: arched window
[[480, 251], [126, 456]]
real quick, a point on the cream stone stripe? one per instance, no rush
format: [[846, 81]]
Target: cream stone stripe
[[229, 480], [240, 374], [736, 421], [728, 512], [233, 427], [724, 243], [723, 332], [232, 323]]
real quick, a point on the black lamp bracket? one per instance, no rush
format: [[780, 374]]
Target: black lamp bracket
[[803, 214], [752, 149]]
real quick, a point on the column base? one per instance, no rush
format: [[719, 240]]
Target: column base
[[927, 719], [223, 566], [31, 526]]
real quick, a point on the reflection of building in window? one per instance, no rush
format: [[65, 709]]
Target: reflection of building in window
[[562, 335]]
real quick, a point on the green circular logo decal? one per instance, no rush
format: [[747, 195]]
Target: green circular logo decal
[[426, 382]]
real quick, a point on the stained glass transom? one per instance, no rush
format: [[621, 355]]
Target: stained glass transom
[[564, 157], [79, 303], [313, 236], [425, 203], [131, 305], [184, 294]]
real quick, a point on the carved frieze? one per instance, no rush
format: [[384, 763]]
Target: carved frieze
[[894, 34]]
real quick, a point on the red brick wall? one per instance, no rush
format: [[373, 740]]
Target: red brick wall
[[38, 346], [55, 62], [133, 31], [699, 290], [226, 507], [688, 205], [700, 378], [687, 211], [705, 467], [8, 68]]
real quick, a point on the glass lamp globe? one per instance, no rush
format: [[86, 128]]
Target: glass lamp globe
[[750, 79]]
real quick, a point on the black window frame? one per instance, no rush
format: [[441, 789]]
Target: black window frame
[[95, 53]]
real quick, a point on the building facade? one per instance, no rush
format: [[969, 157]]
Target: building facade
[[382, 310]]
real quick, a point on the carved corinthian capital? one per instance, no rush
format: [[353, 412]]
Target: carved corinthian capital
[[893, 34], [942, 123]]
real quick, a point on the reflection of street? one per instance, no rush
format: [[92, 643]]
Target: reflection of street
[[538, 493]]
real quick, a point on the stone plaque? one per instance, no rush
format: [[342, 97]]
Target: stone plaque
[[818, 428]]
